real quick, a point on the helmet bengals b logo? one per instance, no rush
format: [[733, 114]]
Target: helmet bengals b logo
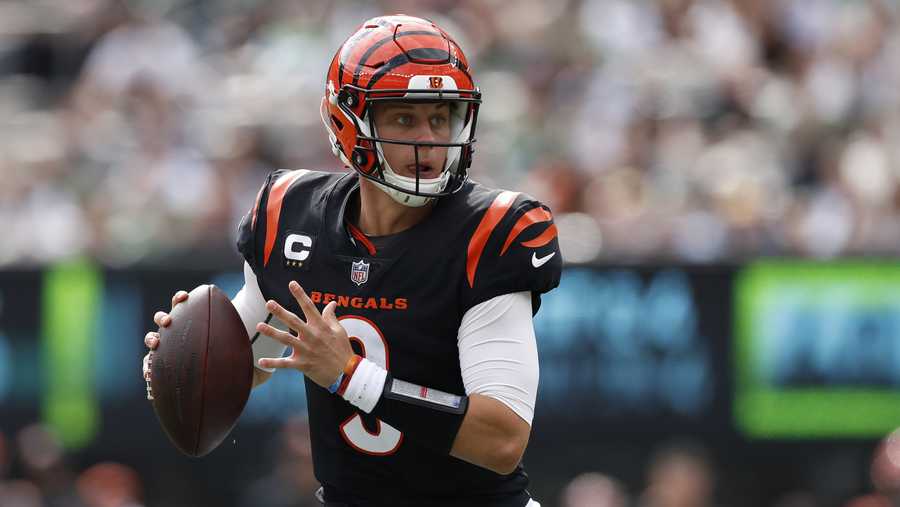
[[436, 82]]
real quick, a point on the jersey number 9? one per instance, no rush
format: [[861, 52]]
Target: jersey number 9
[[386, 439]]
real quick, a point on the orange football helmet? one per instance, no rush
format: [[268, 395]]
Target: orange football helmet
[[409, 59]]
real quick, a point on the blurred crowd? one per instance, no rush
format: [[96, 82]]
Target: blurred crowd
[[683, 474], [688, 130], [36, 472]]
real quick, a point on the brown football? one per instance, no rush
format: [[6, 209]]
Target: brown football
[[202, 371]]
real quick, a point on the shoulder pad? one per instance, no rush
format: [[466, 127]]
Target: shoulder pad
[[259, 227], [514, 248]]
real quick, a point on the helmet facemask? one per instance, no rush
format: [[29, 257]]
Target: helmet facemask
[[368, 155]]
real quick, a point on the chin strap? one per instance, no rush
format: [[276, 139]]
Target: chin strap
[[431, 186]]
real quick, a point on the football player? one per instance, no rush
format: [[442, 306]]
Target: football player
[[405, 291]]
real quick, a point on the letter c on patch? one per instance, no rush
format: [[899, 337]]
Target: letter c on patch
[[300, 254]]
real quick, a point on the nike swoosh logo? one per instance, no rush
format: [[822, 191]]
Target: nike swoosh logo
[[540, 261]]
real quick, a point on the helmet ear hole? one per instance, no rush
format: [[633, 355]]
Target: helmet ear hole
[[360, 157], [347, 98]]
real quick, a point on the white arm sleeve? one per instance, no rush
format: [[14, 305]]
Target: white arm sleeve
[[498, 352], [251, 306]]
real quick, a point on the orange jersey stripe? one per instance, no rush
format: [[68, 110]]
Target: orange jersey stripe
[[361, 237], [256, 209], [273, 208], [534, 216], [545, 237], [488, 222]]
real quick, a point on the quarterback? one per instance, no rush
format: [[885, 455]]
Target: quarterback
[[404, 290]]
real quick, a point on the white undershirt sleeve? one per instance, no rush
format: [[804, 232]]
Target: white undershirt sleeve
[[251, 306], [498, 352]]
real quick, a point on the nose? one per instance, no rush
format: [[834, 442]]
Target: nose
[[424, 133]]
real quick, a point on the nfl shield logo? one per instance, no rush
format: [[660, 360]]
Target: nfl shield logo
[[359, 272]]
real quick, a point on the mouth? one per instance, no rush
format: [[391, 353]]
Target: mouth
[[425, 171]]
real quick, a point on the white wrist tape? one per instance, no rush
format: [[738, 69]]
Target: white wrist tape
[[366, 385]]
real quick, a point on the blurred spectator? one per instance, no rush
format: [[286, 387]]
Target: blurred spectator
[[5, 457], [20, 493], [796, 499], [885, 467], [42, 458], [679, 475], [291, 483], [51, 42], [109, 485], [869, 501], [593, 489]]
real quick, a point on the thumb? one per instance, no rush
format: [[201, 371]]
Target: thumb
[[328, 313]]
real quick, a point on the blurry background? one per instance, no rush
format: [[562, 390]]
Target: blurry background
[[724, 175]]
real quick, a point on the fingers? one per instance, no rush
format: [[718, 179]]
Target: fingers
[[179, 297], [162, 319], [328, 313], [289, 318], [306, 304], [283, 362], [151, 340], [279, 335]]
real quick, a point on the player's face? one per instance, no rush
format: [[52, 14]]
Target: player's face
[[422, 122]]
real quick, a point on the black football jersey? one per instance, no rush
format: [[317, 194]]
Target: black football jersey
[[402, 305]]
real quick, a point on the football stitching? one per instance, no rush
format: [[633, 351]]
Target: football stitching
[[205, 358]]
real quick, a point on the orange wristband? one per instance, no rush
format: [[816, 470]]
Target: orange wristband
[[349, 369], [351, 365]]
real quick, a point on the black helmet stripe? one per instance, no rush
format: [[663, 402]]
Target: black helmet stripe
[[364, 59], [393, 63]]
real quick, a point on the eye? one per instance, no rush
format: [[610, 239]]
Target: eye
[[404, 120], [438, 121]]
